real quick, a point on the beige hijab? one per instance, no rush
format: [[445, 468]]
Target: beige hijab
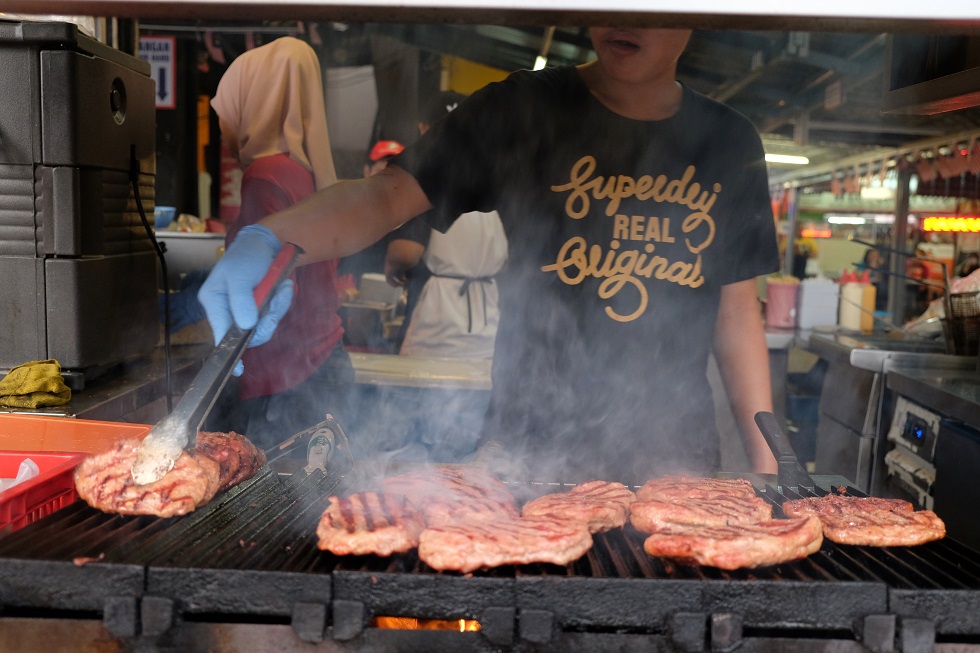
[[272, 98]]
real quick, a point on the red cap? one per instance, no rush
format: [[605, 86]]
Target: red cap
[[385, 150]]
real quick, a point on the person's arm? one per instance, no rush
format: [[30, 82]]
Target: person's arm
[[743, 359], [402, 256], [350, 215]]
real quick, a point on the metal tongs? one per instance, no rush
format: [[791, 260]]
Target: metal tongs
[[790, 472], [178, 430]]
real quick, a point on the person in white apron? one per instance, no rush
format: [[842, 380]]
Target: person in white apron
[[456, 312], [458, 309]]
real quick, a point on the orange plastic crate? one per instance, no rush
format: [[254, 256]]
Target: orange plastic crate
[[20, 432], [52, 489], [57, 445]]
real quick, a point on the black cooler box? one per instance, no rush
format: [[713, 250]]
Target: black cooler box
[[78, 271]]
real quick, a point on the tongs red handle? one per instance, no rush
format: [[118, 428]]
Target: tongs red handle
[[281, 268]]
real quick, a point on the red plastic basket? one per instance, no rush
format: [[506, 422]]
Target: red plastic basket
[[51, 490]]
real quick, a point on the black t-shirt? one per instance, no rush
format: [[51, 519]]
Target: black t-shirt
[[621, 235], [418, 231]]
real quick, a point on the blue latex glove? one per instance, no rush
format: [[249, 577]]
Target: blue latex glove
[[227, 294], [185, 309]]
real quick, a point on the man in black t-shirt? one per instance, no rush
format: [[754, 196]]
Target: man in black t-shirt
[[637, 215]]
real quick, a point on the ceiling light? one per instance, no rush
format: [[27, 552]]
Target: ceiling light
[[845, 219], [786, 158]]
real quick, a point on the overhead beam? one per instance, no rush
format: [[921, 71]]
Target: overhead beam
[[799, 176]]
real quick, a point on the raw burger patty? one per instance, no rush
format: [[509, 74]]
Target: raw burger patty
[[649, 516], [671, 488], [869, 521], [105, 481], [735, 547], [474, 545], [369, 523], [600, 505]]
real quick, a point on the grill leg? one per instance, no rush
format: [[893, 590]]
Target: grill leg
[[537, 626], [497, 625], [348, 619], [917, 635], [688, 631], [309, 621], [879, 633], [726, 632], [120, 616], [156, 615]]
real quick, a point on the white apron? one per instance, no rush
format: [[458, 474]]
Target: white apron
[[457, 311]]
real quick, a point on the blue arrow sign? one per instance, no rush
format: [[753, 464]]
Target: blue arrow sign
[[161, 53]]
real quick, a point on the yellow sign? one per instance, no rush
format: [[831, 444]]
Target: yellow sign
[[962, 224]]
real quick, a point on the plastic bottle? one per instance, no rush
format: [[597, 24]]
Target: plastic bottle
[[857, 304]]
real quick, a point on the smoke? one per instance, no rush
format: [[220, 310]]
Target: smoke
[[416, 424]]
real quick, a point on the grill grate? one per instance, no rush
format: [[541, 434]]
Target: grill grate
[[253, 551]]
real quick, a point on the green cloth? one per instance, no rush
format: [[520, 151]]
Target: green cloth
[[34, 385]]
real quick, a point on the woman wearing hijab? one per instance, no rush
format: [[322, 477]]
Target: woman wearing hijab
[[271, 115]]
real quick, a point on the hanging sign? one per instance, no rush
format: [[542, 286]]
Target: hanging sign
[[161, 53], [963, 224]]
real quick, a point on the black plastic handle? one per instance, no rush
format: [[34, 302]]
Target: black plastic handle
[[789, 471]]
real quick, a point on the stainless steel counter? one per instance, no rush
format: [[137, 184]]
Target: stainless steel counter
[[951, 393], [852, 425], [135, 391], [881, 352]]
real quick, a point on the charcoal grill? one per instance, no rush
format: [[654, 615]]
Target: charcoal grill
[[249, 560]]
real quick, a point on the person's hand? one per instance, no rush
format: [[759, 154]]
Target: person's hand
[[227, 294], [395, 276]]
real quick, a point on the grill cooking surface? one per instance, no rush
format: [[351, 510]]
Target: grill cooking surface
[[268, 524], [252, 551]]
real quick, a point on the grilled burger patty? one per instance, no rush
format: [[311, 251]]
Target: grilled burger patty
[[473, 545], [600, 505], [221, 460], [649, 516], [738, 546], [369, 523], [105, 481], [671, 488], [447, 494], [238, 458], [869, 521]]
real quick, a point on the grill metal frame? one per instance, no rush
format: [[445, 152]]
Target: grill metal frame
[[250, 556]]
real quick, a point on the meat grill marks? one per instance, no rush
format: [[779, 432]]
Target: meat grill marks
[[738, 546], [718, 522], [105, 481], [473, 545], [448, 494], [693, 500], [238, 458], [648, 516], [221, 460], [369, 523], [869, 521], [672, 488], [468, 520], [600, 505]]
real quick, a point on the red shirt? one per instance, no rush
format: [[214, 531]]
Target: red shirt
[[311, 328]]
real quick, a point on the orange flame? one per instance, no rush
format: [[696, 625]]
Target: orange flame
[[411, 623]]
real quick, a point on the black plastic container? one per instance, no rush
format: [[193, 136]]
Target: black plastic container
[[79, 270]]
